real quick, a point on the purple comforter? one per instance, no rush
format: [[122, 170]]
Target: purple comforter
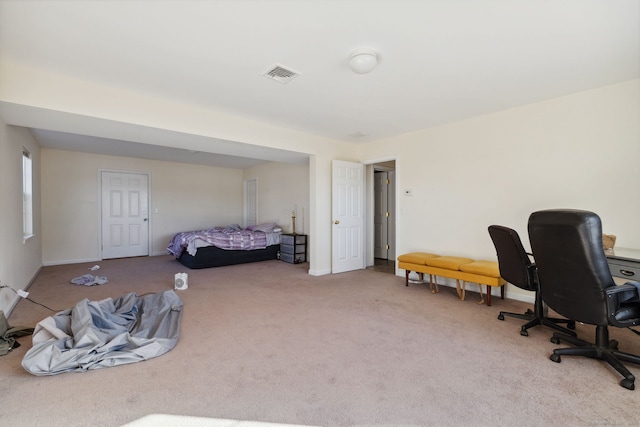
[[223, 237]]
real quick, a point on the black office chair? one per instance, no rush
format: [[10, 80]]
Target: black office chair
[[516, 268], [575, 281]]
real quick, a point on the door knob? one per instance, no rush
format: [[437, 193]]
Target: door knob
[[337, 222]]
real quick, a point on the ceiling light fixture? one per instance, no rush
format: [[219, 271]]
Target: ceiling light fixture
[[363, 61]]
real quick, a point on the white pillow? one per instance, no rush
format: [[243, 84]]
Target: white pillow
[[267, 227]]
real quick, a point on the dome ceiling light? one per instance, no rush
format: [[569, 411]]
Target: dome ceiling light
[[363, 61]]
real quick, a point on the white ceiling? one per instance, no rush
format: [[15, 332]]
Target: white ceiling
[[439, 60]]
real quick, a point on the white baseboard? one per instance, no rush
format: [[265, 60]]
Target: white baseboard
[[11, 299], [80, 261], [319, 272], [71, 261], [155, 420], [495, 291]]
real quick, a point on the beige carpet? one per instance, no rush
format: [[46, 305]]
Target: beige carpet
[[266, 342]]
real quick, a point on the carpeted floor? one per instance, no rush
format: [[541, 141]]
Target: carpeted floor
[[267, 342]]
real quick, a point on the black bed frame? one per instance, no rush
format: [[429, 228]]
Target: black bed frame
[[212, 256]]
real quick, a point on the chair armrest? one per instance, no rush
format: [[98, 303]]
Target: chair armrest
[[621, 299], [628, 292], [627, 287]]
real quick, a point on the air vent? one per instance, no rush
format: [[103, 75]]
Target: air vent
[[281, 74], [358, 134]]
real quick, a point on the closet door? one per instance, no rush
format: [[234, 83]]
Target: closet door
[[250, 202], [125, 215]]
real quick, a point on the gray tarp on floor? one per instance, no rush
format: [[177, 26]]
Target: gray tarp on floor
[[100, 334]]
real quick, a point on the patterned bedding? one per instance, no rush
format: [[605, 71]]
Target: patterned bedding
[[230, 238]]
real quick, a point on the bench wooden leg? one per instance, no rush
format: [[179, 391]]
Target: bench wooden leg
[[433, 281], [489, 294], [406, 277], [460, 289], [481, 296]]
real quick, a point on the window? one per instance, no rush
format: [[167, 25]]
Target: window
[[27, 194]]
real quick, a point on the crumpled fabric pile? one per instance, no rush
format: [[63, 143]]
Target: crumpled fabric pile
[[89, 280], [106, 333]]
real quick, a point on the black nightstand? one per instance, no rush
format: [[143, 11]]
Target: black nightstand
[[293, 248]]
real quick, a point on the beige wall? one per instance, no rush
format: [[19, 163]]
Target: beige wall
[[187, 197], [65, 104], [21, 260], [281, 189], [580, 151]]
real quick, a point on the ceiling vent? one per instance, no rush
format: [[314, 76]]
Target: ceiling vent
[[358, 134], [281, 74]]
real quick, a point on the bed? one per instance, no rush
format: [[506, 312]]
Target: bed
[[229, 245]]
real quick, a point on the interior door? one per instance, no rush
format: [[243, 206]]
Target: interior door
[[391, 220], [125, 219], [381, 215], [348, 216], [250, 202]]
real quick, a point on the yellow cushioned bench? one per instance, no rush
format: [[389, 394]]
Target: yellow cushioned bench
[[458, 268]]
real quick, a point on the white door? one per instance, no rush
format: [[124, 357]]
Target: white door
[[348, 216], [125, 220], [250, 202], [391, 207], [380, 215]]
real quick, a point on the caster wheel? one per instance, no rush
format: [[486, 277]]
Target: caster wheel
[[529, 312], [628, 384], [500, 316], [613, 344], [571, 325], [555, 358], [524, 333], [555, 340]]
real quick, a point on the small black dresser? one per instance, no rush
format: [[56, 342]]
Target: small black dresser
[[293, 248]]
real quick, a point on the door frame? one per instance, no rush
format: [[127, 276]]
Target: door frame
[[149, 215], [391, 219], [370, 166], [245, 197]]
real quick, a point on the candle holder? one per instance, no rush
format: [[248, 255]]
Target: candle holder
[[293, 220]]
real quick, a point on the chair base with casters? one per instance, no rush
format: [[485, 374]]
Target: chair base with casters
[[603, 349], [517, 268], [576, 282], [536, 317]]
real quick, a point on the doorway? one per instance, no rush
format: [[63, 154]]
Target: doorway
[[352, 242], [250, 216], [384, 217], [125, 214]]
